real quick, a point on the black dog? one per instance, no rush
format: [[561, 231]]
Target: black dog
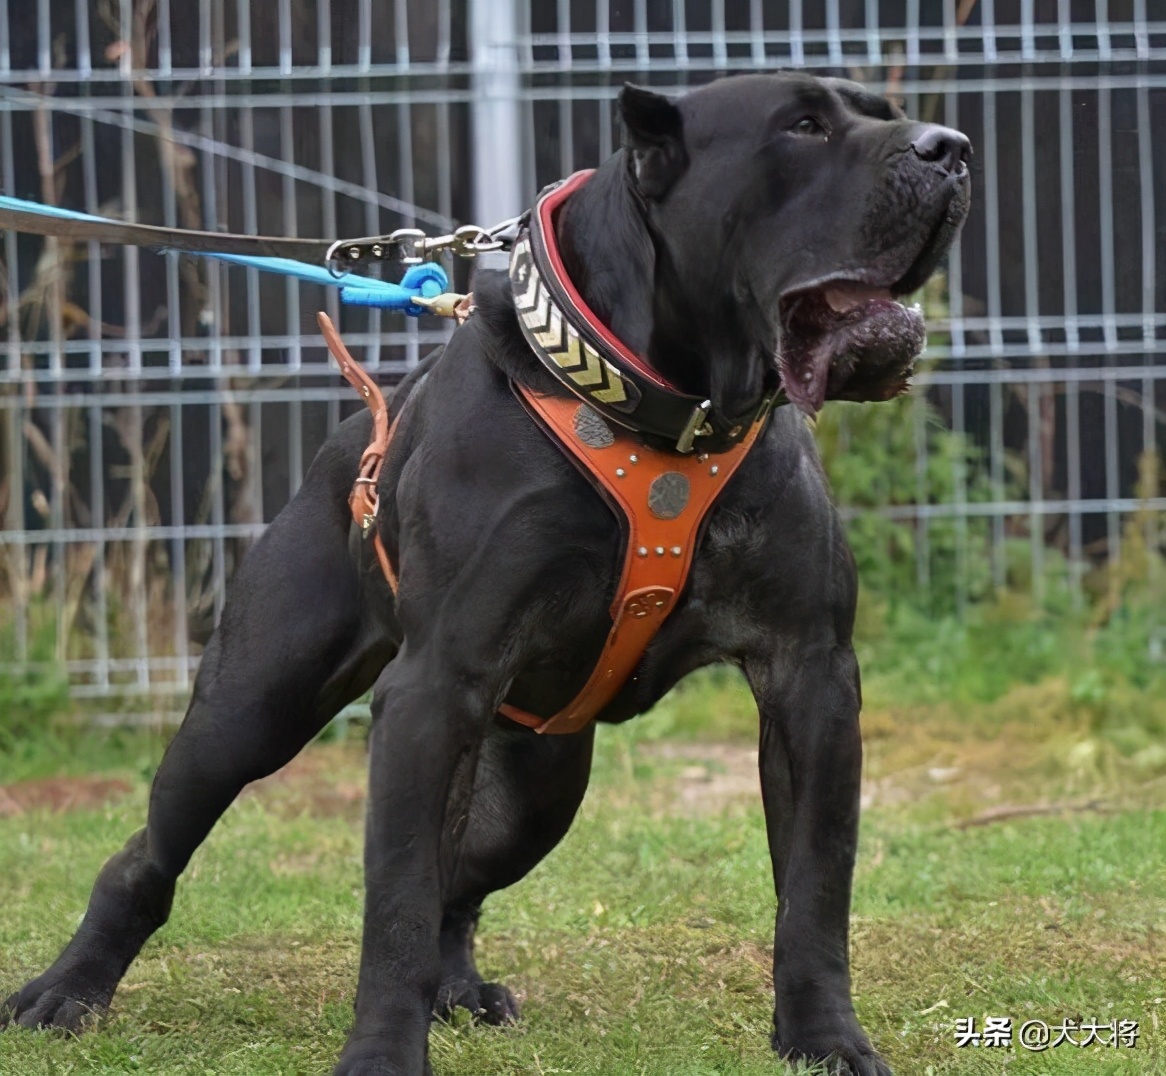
[[758, 220]]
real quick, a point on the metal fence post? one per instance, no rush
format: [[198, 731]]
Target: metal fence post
[[495, 26]]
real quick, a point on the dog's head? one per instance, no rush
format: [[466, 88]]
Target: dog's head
[[803, 208]]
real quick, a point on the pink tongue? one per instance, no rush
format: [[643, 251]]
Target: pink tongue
[[843, 298]]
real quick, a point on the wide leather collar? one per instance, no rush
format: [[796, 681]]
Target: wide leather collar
[[590, 361]]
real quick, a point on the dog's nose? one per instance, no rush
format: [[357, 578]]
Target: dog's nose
[[948, 148]]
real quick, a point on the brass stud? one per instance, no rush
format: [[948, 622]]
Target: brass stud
[[620, 472], [633, 458], [702, 457], [659, 551], [676, 550], [642, 551], [714, 469], [364, 391], [659, 605]]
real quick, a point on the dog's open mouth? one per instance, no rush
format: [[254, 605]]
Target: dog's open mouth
[[847, 340]]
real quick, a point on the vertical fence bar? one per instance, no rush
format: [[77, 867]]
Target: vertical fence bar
[[178, 549], [833, 40], [130, 423], [1036, 535], [922, 494], [1028, 210], [995, 336], [640, 9], [1108, 310], [1149, 292], [1065, 29], [756, 32], [496, 113], [913, 33], [405, 180], [327, 215], [217, 202], [1104, 50], [566, 105], [17, 557], [5, 51], [1068, 219], [1073, 448], [1146, 187], [95, 332], [720, 49], [1032, 318], [996, 477], [97, 515], [874, 45], [955, 290], [368, 162]]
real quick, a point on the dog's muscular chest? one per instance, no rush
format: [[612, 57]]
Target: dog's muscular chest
[[505, 547]]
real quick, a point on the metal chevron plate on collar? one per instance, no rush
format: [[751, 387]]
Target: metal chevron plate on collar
[[558, 342]]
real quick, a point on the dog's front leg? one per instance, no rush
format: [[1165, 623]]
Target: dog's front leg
[[811, 762], [428, 723]]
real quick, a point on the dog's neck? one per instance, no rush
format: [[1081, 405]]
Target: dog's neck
[[627, 279]]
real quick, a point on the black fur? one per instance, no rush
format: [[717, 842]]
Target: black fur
[[686, 243]]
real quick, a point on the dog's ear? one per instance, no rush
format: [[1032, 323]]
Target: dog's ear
[[653, 138]]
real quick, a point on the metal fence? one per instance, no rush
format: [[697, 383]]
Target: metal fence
[[156, 413]]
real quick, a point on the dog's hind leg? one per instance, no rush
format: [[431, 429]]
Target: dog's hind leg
[[294, 646], [527, 790]]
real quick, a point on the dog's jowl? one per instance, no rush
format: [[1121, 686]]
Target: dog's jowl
[[744, 250]]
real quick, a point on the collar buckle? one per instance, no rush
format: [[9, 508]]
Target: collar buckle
[[692, 428]]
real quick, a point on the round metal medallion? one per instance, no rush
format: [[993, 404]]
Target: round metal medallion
[[591, 429], [668, 495]]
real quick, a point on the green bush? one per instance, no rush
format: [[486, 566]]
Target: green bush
[[871, 456], [29, 701]]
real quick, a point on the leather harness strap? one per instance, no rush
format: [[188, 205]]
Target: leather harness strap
[[663, 498], [364, 499]]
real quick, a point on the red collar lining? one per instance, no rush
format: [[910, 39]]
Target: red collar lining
[[547, 210]]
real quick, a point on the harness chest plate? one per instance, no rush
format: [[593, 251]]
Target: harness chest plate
[[662, 497]]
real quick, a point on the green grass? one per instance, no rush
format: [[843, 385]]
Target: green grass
[[642, 944]]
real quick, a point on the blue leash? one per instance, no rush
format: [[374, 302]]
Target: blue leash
[[425, 281]]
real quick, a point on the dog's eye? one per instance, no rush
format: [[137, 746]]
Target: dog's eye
[[807, 125]]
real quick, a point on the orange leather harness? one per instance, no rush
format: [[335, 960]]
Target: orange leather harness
[[662, 496]]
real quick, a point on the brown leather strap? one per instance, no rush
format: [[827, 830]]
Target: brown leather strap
[[364, 500], [664, 496]]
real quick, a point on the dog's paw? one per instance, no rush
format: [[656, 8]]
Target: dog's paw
[[488, 1003], [54, 1001], [370, 1057], [848, 1052]]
